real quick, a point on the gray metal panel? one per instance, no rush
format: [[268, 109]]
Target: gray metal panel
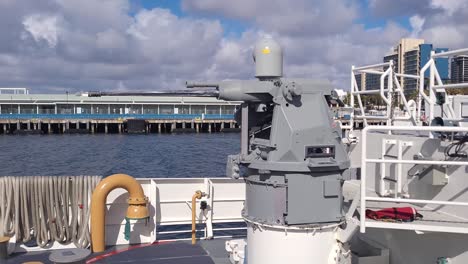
[[264, 202], [331, 188], [464, 110], [309, 201]]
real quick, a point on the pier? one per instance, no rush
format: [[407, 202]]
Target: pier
[[59, 114], [114, 126]]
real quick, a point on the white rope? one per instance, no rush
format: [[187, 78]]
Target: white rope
[[47, 208]]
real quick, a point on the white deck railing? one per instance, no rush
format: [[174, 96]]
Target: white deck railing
[[365, 160], [386, 92], [427, 90], [170, 205], [436, 84]]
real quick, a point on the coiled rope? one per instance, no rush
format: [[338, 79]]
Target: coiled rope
[[47, 208]]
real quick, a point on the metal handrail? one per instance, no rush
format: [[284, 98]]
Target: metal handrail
[[372, 66], [434, 77], [365, 160], [435, 85], [387, 74], [450, 53]]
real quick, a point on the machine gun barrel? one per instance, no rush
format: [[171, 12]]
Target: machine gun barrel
[[201, 85]]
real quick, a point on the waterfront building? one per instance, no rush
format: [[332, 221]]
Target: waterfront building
[[47, 111]]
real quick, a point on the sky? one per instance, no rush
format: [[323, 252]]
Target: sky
[[58, 46]]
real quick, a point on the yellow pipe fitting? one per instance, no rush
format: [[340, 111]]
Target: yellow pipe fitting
[[197, 195], [137, 208]]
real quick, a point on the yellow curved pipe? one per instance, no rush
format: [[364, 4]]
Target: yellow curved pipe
[[136, 210], [197, 195]]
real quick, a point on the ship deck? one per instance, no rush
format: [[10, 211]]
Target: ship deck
[[177, 252], [434, 219]]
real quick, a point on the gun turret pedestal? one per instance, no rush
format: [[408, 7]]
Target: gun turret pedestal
[[293, 160]]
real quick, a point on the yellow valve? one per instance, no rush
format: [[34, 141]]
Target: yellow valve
[[137, 208], [197, 195]]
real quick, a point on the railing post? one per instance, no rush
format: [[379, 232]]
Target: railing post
[[390, 96], [363, 180], [399, 169], [383, 168], [354, 87], [431, 93]]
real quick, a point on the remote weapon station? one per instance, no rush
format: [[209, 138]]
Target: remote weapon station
[[292, 159]]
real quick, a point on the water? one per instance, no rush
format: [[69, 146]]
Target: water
[[152, 156]]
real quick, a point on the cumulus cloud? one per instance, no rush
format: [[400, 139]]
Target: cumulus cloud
[[399, 8], [445, 36], [441, 22], [284, 17], [89, 45], [449, 6], [42, 27], [320, 38], [59, 45], [417, 23]]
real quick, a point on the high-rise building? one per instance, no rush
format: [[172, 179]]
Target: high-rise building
[[367, 81], [405, 60], [360, 81], [405, 57], [372, 81], [409, 56], [459, 69], [394, 58]]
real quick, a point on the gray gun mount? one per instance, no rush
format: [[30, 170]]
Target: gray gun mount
[[295, 160]]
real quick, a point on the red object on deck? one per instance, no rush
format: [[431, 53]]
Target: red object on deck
[[403, 214]]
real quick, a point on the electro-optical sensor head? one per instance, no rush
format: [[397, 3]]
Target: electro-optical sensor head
[[268, 58]]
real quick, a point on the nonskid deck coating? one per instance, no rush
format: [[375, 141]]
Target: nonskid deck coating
[[181, 252]]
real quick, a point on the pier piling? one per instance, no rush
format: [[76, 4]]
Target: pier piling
[[52, 126]]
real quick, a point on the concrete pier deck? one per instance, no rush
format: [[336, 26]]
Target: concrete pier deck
[[116, 126]]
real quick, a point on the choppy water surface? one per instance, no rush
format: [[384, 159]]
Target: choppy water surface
[[186, 155]]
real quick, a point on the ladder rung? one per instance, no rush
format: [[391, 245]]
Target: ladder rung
[[389, 179]]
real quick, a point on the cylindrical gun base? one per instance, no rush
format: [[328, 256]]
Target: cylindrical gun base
[[282, 244]]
